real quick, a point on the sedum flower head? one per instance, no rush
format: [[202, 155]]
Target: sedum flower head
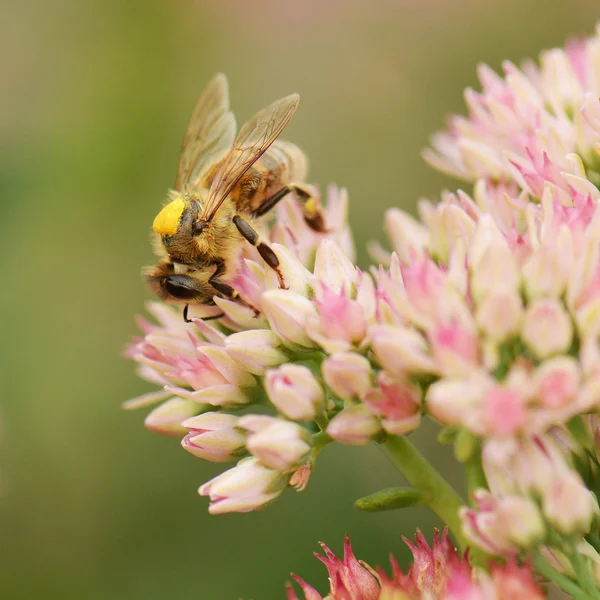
[[484, 316]]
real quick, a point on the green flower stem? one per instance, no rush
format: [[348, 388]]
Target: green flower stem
[[475, 475], [320, 440], [585, 578], [567, 585], [594, 539], [421, 475]]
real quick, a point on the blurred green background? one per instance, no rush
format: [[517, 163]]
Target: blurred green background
[[94, 101]]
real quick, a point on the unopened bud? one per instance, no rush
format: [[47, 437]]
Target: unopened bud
[[355, 425], [569, 505], [347, 374], [214, 436], [547, 328], [280, 445], [167, 418], [295, 392], [247, 486], [287, 313], [256, 349]]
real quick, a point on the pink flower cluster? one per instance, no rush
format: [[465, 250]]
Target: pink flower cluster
[[437, 572], [485, 317]]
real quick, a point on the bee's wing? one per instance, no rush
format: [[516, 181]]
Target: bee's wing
[[209, 135], [252, 141]]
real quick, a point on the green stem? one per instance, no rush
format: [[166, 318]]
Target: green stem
[[543, 567], [475, 476], [583, 572], [443, 499], [320, 440], [594, 539]]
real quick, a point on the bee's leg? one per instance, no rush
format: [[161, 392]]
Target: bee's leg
[[185, 314], [311, 207], [270, 203], [263, 249], [226, 290], [313, 213], [212, 317]]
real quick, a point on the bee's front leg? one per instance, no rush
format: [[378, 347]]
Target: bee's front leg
[[264, 250], [226, 290], [211, 318]]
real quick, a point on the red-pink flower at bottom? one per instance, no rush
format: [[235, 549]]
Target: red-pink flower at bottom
[[348, 578], [437, 573]]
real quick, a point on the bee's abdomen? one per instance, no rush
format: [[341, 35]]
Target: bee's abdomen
[[281, 164], [285, 161]]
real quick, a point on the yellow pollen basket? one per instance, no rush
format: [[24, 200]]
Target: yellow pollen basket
[[311, 206], [167, 220]]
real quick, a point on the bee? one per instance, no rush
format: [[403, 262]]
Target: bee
[[224, 185]]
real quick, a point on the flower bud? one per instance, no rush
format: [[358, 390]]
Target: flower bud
[[295, 274], [505, 410], [287, 313], [494, 266], [341, 322], [455, 347], [557, 381], [255, 349], [456, 402], [347, 374], [247, 486], [400, 350], [397, 403], [167, 418], [449, 222], [485, 526], [409, 237], [355, 425], [499, 525], [281, 445], [543, 274], [295, 392], [569, 505], [524, 524], [425, 283], [334, 268], [547, 328], [214, 437], [500, 313]]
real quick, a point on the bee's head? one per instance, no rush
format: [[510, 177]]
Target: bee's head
[[180, 216], [189, 287]]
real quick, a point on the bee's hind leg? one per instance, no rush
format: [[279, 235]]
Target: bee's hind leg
[[311, 207], [264, 250]]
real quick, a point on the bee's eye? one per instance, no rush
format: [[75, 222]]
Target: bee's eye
[[177, 287]]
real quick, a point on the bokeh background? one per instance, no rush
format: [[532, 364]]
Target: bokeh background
[[94, 99]]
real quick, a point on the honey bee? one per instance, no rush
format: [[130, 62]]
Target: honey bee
[[224, 184]]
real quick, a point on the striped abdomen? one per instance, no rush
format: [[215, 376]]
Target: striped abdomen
[[281, 164]]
